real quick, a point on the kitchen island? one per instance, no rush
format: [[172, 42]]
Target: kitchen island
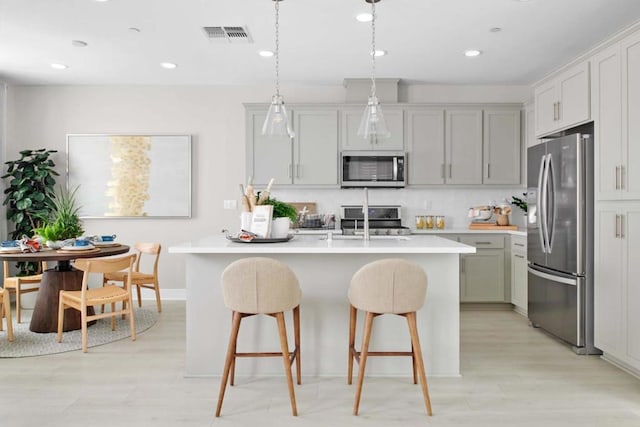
[[324, 269]]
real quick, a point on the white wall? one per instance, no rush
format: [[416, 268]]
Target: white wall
[[41, 116]]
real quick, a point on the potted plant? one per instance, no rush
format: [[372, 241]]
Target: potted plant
[[284, 215], [521, 203], [63, 223], [29, 195]]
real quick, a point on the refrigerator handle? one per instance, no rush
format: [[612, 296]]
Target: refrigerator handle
[[551, 208], [541, 214], [544, 206]]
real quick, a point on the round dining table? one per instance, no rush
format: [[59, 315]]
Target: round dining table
[[61, 277]]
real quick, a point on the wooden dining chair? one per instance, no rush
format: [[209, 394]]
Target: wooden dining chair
[[139, 278], [5, 312], [110, 294], [20, 285]]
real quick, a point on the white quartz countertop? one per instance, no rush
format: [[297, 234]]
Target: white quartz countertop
[[415, 244], [518, 232]]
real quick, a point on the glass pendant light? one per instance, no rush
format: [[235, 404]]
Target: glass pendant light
[[372, 122], [277, 121]]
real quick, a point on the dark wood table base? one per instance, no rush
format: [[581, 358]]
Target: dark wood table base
[[45, 312]]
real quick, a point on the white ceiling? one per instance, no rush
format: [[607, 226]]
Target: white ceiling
[[321, 42]]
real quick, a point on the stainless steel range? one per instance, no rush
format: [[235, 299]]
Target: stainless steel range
[[383, 220]]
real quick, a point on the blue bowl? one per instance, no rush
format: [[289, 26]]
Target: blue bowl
[[82, 242], [9, 244], [108, 238]]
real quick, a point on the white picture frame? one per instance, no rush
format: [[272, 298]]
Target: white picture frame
[[130, 175]]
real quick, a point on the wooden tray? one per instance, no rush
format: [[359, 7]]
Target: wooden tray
[[476, 226], [261, 240]]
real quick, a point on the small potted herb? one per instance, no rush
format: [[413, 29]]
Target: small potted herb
[[284, 215], [521, 203]]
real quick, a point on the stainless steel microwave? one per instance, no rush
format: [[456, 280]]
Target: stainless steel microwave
[[373, 169]]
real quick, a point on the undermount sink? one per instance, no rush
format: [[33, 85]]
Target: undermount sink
[[361, 237]]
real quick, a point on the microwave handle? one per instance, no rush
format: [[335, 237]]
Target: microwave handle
[[395, 168]]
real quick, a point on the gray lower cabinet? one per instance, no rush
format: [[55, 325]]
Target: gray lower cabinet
[[482, 275], [351, 116], [519, 273], [310, 158]]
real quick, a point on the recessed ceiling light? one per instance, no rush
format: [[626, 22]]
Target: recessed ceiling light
[[381, 52], [472, 53], [168, 65], [495, 30], [364, 17], [100, 1], [59, 66], [265, 53], [78, 43]]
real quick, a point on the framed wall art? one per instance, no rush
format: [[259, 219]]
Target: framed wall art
[[130, 176]]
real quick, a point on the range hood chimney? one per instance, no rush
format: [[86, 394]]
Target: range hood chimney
[[358, 90]]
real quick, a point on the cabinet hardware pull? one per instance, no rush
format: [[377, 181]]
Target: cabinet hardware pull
[[442, 171], [488, 170], [298, 170], [555, 109], [559, 111], [622, 177], [290, 170], [519, 244], [518, 256], [483, 243], [622, 217], [617, 226], [450, 167], [617, 177]]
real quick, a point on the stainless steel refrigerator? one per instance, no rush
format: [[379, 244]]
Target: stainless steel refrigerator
[[560, 239]]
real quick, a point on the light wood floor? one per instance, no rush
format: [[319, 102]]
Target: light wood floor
[[512, 376]]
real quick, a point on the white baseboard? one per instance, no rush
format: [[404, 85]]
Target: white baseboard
[[622, 365]]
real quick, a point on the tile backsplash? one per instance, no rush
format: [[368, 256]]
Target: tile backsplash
[[452, 203]]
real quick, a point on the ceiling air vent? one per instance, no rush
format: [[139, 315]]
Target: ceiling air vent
[[228, 34]]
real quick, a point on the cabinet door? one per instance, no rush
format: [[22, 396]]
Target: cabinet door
[[546, 98], [631, 115], [501, 147], [573, 92], [606, 91], [267, 157], [608, 281], [351, 117], [519, 281], [482, 276], [463, 137], [316, 147], [425, 146], [630, 235]]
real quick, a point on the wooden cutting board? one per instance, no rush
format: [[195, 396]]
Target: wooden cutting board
[[477, 226], [312, 208]]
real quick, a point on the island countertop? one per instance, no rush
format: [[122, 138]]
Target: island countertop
[[313, 244]]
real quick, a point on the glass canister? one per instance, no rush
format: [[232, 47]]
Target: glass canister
[[440, 222], [420, 222], [428, 221]]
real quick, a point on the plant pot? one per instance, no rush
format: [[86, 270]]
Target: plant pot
[[280, 228]]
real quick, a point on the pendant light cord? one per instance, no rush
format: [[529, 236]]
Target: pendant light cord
[[373, 47], [277, 2]]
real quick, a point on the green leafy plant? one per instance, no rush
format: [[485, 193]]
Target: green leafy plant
[[521, 203], [63, 222], [282, 209], [29, 195]]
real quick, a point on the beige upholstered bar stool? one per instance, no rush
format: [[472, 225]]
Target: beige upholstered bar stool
[[253, 286], [388, 286]]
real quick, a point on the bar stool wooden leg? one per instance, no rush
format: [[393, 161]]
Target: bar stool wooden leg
[[285, 358], [413, 330], [232, 374], [296, 333], [353, 313], [237, 317], [413, 364], [363, 359]]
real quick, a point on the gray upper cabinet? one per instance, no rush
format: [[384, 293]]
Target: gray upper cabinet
[[425, 146], [351, 117], [267, 157], [463, 146], [501, 147], [315, 148], [310, 158]]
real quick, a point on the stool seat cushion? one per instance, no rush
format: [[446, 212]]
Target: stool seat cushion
[[389, 286], [260, 285]]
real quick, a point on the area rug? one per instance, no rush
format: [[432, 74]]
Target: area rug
[[27, 343]]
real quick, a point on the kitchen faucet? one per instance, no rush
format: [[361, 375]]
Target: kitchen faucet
[[365, 211]]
